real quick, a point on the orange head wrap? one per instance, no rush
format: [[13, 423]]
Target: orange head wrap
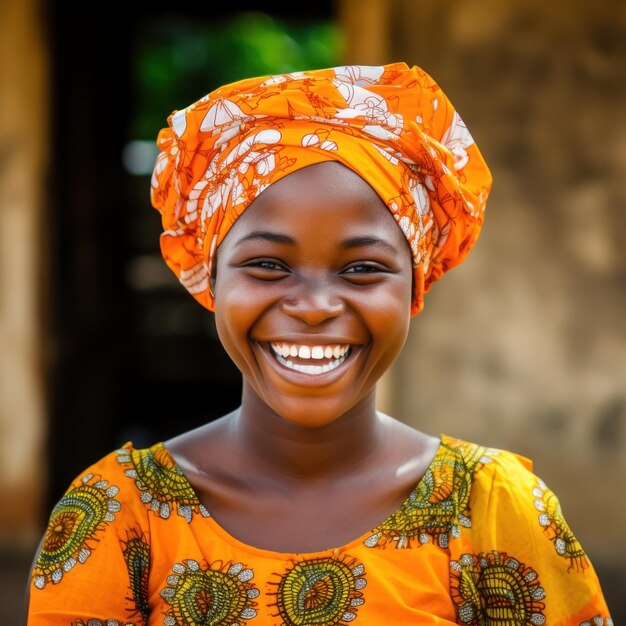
[[391, 124]]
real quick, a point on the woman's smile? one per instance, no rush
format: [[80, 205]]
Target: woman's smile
[[295, 357], [309, 364]]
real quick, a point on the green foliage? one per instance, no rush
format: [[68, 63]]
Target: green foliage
[[177, 60]]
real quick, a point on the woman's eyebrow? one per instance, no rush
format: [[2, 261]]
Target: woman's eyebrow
[[361, 242], [267, 236], [354, 242]]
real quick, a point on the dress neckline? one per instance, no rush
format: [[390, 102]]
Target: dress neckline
[[443, 449]]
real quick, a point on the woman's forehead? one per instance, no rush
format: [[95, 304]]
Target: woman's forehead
[[319, 183], [329, 194]]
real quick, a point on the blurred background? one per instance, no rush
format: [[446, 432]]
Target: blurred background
[[523, 346]]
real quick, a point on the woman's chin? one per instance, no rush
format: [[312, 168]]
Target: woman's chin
[[312, 413]]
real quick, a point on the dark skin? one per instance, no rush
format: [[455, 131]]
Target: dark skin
[[307, 463]]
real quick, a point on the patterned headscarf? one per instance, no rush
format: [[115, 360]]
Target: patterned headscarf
[[391, 124]]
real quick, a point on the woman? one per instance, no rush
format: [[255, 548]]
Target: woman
[[312, 212]]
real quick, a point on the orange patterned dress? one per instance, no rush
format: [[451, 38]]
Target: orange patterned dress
[[481, 540]]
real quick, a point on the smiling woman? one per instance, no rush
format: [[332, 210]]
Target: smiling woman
[[312, 212]]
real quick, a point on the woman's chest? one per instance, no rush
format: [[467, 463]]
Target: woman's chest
[[301, 524], [298, 518], [205, 579]]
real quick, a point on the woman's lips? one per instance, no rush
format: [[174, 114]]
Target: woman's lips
[[310, 366]]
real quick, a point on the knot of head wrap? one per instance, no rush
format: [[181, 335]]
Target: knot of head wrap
[[391, 124]]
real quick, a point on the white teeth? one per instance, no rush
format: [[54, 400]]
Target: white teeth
[[282, 351], [309, 352], [311, 369], [317, 352]]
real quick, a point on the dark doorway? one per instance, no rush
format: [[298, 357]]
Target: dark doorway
[[130, 355]]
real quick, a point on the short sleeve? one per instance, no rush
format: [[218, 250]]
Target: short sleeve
[[519, 548], [93, 561]]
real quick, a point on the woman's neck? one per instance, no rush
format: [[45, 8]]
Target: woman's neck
[[275, 445]]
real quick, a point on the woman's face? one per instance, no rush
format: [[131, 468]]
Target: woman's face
[[313, 293]]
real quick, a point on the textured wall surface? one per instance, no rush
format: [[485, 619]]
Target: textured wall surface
[[23, 127], [23, 132], [524, 345]]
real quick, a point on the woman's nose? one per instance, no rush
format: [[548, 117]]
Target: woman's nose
[[313, 303]]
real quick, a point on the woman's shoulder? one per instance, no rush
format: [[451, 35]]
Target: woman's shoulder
[[135, 480], [486, 462], [489, 478], [156, 480], [499, 494], [112, 480], [116, 464]]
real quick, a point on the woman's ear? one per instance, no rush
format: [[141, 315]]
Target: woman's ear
[[212, 285], [213, 277]]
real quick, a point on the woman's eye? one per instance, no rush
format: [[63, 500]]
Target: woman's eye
[[362, 268], [267, 265], [266, 269]]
